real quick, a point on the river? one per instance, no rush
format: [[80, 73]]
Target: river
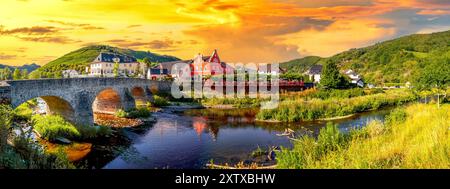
[[192, 138]]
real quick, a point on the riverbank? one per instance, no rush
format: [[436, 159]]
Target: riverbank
[[415, 137], [294, 110]]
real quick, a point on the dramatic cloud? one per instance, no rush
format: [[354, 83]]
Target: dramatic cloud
[[51, 39], [35, 30], [4, 56], [245, 31]]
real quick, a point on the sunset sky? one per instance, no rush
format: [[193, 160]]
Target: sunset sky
[[247, 31]]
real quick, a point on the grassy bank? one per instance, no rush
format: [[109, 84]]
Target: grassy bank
[[235, 102], [292, 110], [19, 152], [51, 127], [415, 137]]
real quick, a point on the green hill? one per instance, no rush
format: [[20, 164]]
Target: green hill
[[300, 65], [393, 61], [81, 58]]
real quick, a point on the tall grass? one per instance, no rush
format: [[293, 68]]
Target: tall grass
[[417, 137], [51, 127], [236, 102], [292, 110]]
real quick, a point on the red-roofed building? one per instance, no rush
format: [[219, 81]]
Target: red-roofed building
[[210, 65]]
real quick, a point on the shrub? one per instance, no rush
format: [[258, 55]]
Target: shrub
[[121, 113], [159, 101], [51, 127], [134, 113]]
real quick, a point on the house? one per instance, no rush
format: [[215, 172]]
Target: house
[[209, 65], [314, 73], [103, 65], [267, 69], [166, 69], [354, 78], [157, 73], [70, 74]]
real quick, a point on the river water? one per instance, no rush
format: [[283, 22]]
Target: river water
[[192, 138]]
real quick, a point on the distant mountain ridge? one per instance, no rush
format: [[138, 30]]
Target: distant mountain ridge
[[79, 59], [393, 61], [28, 67]]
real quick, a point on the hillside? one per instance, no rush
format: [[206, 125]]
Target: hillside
[[81, 58], [28, 67], [391, 61]]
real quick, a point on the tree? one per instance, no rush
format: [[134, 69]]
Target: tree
[[24, 74], [34, 75], [331, 78], [6, 73], [435, 77], [116, 69], [17, 75]]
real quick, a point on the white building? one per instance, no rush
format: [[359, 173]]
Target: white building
[[314, 73], [355, 78], [103, 65], [70, 74]]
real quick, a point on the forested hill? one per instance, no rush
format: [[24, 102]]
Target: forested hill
[[28, 67], [391, 61], [81, 58]]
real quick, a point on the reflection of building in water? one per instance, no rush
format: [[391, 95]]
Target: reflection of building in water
[[214, 131], [199, 125]]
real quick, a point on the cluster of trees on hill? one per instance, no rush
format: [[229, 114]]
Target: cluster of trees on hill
[[396, 61], [79, 59], [8, 74]]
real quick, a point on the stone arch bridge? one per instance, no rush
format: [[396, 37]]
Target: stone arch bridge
[[77, 99]]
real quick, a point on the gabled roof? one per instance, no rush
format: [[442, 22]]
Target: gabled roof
[[316, 69], [109, 57]]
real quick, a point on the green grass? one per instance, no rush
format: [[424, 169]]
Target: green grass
[[415, 137], [82, 57], [159, 101], [305, 110], [25, 110], [141, 112], [51, 127], [25, 154], [236, 102]]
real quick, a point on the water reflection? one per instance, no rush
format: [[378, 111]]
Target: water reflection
[[191, 139]]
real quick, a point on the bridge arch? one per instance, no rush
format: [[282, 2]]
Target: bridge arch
[[140, 95], [107, 101], [55, 105]]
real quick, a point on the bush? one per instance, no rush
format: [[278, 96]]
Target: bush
[[142, 112], [51, 127], [121, 113], [159, 101], [25, 110]]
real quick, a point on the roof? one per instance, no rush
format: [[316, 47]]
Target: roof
[[316, 69], [168, 65], [109, 57], [157, 71]]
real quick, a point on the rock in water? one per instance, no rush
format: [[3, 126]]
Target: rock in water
[[63, 140]]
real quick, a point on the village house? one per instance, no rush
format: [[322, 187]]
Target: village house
[[199, 66], [267, 69], [209, 65], [314, 73], [354, 78], [70, 74], [103, 65], [164, 69]]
